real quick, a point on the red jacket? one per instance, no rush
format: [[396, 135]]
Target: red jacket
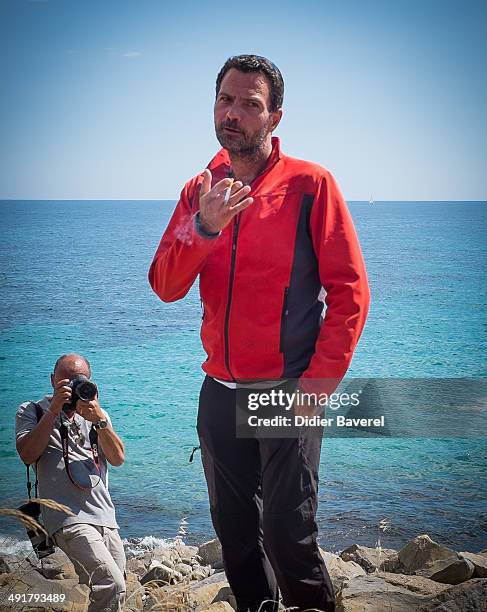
[[261, 278]]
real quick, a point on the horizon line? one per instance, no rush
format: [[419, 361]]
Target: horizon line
[[176, 199]]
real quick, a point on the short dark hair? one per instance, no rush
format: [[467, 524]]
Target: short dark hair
[[256, 63], [63, 357]]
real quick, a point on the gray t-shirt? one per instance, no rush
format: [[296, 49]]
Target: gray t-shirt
[[93, 506]]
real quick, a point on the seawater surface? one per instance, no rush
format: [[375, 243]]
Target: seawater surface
[[74, 278]]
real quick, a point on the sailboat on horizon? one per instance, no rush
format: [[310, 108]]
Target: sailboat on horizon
[[371, 200]]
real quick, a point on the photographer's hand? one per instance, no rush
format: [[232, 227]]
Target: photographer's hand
[[110, 443], [90, 411], [62, 395], [31, 446]]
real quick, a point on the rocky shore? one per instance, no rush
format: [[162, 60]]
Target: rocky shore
[[423, 576]]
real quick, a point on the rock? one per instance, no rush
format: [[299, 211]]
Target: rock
[[184, 569], [219, 606], [201, 572], [210, 553], [168, 599], [479, 561], [452, 570], [166, 555], [30, 581], [470, 596], [154, 596], [368, 558], [218, 566], [135, 591], [7, 564], [392, 564], [186, 554], [137, 566], [340, 571], [56, 566], [416, 584], [146, 559], [226, 595], [16, 563], [420, 551], [160, 573], [213, 579], [202, 594], [372, 593]]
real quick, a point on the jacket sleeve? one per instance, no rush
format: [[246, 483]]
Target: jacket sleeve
[[182, 250], [344, 278]]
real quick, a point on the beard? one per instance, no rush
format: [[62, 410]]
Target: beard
[[244, 144]]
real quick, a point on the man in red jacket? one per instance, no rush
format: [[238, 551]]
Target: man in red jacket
[[265, 233]]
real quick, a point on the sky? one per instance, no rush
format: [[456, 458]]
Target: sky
[[113, 99]]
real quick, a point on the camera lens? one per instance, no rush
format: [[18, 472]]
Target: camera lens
[[86, 390]]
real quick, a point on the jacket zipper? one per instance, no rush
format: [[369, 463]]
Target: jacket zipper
[[230, 291], [232, 274]]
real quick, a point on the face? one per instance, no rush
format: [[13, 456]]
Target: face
[[69, 368], [243, 122]]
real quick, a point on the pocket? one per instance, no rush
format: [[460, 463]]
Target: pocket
[[309, 444], [91, 533], [284, 317], [69, 532]]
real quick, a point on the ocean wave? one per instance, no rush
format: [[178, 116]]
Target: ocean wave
[[136, 547], [10, 545]]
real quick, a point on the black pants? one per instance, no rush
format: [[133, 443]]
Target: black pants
[[263, 501]]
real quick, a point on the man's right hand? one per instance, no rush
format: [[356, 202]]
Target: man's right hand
[[31, 446], [61, 396], [214, 214]]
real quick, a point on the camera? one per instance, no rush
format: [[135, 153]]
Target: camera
[[82, 389]]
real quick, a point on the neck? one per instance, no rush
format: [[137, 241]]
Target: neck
[[247, 167]]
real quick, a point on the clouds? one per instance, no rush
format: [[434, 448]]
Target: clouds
[[110, 50]]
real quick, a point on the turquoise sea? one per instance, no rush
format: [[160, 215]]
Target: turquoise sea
[[74, 278]]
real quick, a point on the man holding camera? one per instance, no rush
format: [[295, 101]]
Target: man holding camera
[[69, 438]]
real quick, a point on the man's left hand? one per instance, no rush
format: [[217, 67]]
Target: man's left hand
[[305, 405], [90, 411]]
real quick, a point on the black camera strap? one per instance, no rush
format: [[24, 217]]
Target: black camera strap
[[41, 543], [63, 430], [39, 414]]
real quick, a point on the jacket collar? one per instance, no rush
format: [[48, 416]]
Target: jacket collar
[[220, 164]]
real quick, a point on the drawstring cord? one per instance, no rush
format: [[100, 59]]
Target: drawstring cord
[[193, 452]]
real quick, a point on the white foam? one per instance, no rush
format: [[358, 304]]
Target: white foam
[[135, 547], [10, 545]]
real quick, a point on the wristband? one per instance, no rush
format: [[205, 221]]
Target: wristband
[[201, 231]]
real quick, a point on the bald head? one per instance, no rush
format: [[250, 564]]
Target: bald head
[[70, 366]]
